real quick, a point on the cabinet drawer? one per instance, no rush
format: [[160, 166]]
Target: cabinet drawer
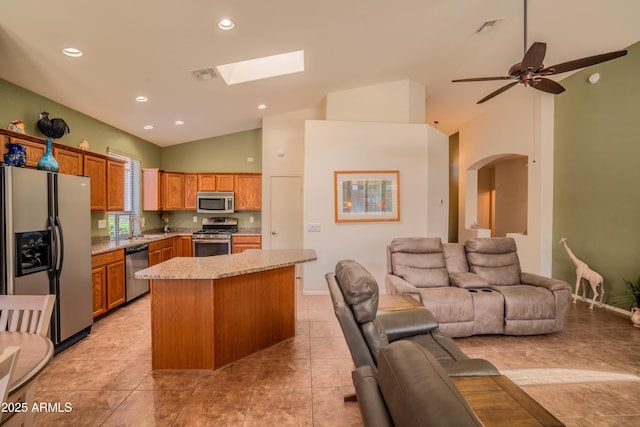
[[107, 258], [161, 244], [246, 239]]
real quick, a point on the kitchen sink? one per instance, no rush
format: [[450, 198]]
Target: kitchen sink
[[152, 236]]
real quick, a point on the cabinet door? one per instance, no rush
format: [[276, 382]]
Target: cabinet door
[[34, 150], [248, 190], [206, 182], [166, 253], [115, 284], [173, 191], [99, 290], [70, 162], [96, 169], [3, 148], [115, 186], [152, 189], [155, 257], [190, 190], [185, 248], [225, 183]]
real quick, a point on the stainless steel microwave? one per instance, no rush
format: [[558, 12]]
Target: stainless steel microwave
[[214, 202]]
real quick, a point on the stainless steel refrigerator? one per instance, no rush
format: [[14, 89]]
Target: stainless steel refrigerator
[[45, 238]]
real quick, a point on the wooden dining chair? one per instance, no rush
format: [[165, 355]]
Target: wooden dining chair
[[7, 365], [26, 313]]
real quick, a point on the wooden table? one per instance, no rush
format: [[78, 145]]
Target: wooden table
[[498, 401], [398, 303], [35, 353]]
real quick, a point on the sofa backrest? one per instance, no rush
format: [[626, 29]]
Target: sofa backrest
[[495, 259], [418, 260], [455, 257], [417, 391]]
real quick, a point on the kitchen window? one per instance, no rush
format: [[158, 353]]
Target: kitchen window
[[128, 222]]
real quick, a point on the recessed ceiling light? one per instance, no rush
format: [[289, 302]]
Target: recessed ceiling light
[[141, 99], [178, 123], [226, 24], [262, 107], [148, 127], [262, 68], [72, 52]]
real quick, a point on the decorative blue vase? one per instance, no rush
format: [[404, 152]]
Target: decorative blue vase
[[47, 162], [16, 155]]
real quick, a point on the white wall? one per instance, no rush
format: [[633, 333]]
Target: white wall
[[402, 101], [520, 122], [418, 151]]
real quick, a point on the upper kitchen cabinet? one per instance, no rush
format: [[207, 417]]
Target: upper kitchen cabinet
[[190, 190], [173, 184], [115, 185], [70, 162], [96, 169], [215, 182], [152, 193], [34, 150], [248, 189]]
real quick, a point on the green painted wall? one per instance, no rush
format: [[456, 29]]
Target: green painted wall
[[596, 173]]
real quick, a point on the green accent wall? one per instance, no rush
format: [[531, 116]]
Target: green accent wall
[[596, 173]]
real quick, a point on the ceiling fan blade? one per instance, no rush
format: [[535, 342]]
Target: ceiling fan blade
[[582, 62], [547, 85], [483, 79], [497, 92], [534, 57]]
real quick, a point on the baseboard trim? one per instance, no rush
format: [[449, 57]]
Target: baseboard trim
[[606, 306]]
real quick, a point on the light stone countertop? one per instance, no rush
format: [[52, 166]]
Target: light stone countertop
[[220, 266]]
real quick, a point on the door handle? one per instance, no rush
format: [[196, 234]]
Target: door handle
[[274, 233]]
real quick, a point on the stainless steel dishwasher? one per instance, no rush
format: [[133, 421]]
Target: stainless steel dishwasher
[[136, 259]]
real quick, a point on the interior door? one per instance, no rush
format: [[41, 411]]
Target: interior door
[[286, 212]]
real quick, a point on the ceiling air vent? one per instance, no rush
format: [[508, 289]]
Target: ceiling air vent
[[204, 74]]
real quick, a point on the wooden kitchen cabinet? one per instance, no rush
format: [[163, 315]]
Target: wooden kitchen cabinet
[[115, 185], [184, 246], [215, 182], [242, 243], [107, 281], [190, 190], [70, 162], [248, 189], [34, 150], [96, 169], [160, 251], [152, 189], [173, 189]]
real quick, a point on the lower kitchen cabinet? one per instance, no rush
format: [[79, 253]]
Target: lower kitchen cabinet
[[242, 243], [107, 281], [184, 246], [160, 251]]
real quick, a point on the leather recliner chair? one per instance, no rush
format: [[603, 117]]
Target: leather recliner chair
[[354, 292]]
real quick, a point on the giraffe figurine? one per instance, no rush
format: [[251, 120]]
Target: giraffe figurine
[[584, 272]]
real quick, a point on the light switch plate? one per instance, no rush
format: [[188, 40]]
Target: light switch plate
[[102, 223], [313, 227], [195, 219]]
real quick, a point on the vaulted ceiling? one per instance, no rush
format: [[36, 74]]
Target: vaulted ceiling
[[150, 48]]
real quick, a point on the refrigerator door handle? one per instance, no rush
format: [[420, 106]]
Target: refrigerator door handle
[[54, 249], [61, 248]]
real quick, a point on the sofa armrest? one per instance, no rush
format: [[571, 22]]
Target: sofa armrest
[[468, 280], [406, 323], [396, 285], [372, 407], [544, 282]]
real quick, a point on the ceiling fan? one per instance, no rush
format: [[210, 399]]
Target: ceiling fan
[[531, 71]]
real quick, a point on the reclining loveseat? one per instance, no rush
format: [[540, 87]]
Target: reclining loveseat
[[354, 292], [477, 287]]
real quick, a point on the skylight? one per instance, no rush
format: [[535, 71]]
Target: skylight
[[262, 68]]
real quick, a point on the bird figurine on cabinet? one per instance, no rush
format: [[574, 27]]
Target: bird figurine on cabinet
[[52, 128]]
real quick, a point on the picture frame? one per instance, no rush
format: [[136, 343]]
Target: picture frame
[[367, 196]]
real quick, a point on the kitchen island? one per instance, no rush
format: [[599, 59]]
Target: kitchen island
[[207, 312]]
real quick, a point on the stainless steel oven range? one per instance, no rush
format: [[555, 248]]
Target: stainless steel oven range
[[215, 236]]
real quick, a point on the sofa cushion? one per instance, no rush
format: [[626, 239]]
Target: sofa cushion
[[417, 391], [468, 280], [359, 288], [419, 261], [455, 257], [524, 302], [448, 304], [494, 259]]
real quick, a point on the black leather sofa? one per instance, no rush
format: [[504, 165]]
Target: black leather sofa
[[410, 388], [354, 292]]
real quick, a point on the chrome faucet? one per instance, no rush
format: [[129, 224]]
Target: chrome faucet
[[132, 220]]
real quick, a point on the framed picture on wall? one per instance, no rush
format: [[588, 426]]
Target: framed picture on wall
[[362, 196]]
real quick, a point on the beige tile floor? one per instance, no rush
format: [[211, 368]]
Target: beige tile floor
[[588, 375]]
